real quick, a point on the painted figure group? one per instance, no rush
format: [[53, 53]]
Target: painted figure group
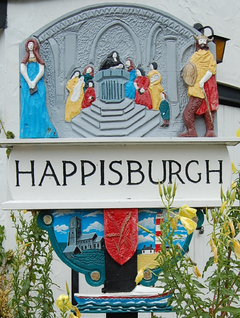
[[149, 91], [144, 90], [199, 75], [81, 92]]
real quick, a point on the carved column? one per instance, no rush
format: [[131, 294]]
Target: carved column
[[171, 56]]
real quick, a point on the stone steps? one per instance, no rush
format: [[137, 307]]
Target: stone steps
[[115, 120]]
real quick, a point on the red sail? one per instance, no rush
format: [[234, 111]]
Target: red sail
[[121, 233]]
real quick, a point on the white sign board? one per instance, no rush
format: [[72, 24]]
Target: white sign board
[[120, 174]]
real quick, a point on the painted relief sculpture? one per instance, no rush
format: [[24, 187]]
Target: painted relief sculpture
[[141, 84], [164, 110], [108, 247], [112, 61], [98, 46], [155, 87], [88, 74], [35, 121], [129, 86], [89, 95], [202, 92], [121, 237], [121, 233], [74, 102]]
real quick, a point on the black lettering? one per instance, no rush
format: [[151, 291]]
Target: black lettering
[[18, 172], [83, 162], [138, 170], [52, 174], [115, 171], [171, 173], [65, 174], [102, 172], [219, 171], [187, 173], [150, 172]]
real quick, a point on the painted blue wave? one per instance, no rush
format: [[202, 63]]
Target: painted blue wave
[[94, 305]]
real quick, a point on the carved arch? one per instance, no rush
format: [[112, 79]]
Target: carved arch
[[151, 40], [107, 27]]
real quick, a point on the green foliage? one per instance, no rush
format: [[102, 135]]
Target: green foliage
[[32, 294], [27, 271], [4, 294], [217, 294], [237, 181], [5, 281], [9, 135]]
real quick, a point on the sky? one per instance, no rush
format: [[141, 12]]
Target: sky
[[92, 222]]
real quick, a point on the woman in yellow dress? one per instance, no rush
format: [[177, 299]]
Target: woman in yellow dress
[[74, 102], [155, 87]]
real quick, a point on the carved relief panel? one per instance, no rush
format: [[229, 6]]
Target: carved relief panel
[[86, 38]]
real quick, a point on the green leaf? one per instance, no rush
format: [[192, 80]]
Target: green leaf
[[231, 310], [197, 283], [209, 263], [26, 286], [10, 135]]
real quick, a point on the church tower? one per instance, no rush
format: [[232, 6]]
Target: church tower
[[74, 230]]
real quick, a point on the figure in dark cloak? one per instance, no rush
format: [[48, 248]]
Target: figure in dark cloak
[[112, 61]]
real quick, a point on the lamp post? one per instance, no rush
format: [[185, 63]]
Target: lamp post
[[219, 41]]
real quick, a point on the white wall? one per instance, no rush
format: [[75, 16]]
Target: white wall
[[24, 17]]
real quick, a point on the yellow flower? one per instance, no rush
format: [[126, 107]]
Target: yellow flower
[[236, 246], [140, 275], [223, 207], [173, 224], [233, 185], [189, 224], [214, 250], [196, 271], [211, 242], [76, 312], [234, 169], [238, 133], [187, 212], [63, 302], [225, 228], [233, 196], [232, 227]]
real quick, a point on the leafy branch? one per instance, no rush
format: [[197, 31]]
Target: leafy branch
[[215, 293]]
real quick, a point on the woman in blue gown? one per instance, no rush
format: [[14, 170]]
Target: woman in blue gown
[[35, 121], [129, 86]]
